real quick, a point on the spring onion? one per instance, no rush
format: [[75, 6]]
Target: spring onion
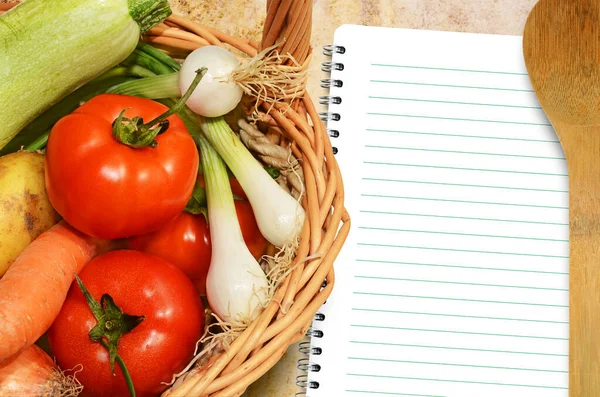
[[278, 215], [236, 286]]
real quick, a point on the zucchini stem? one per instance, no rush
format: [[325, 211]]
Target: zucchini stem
[[148, 13]]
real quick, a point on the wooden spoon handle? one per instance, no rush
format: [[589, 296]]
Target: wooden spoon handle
[[581, 145], [584, 313]]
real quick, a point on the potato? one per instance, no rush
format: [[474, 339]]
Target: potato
[[25, 211]]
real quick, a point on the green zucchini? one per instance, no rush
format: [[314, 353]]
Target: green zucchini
[[50, 48]]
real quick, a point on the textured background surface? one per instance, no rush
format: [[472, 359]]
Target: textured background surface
[[245, 18]]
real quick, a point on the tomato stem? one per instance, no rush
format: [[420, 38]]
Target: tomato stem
[[125, 371], [111, 324], [137, 134]]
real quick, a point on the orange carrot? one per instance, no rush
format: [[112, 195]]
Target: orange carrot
[[35, 286]]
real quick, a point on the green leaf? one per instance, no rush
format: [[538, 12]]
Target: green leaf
[[274, 172], [197, 203]]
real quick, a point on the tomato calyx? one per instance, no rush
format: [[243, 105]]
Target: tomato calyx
[[134, 133], [112, 325]]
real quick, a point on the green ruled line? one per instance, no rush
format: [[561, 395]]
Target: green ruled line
[[463, 217], [456, 299], [463, 201], [461, 168], [449, 85], [453, 102], [464, 185], [463, 136], [459, 267], [446, 69], [460, 283], [462, 250], [457, 119], [459, 316], [458, 348], [390, 393], [459, 381], [463, 234], [455, 365], [462, 152]]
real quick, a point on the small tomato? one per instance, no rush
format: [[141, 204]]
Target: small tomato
[[186, 243]]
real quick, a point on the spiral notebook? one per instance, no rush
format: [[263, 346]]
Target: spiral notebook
[[454, 279]]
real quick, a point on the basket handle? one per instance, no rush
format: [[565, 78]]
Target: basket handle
[[289, 22]]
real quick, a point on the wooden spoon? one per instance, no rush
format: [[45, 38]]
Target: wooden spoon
[[561, 45]]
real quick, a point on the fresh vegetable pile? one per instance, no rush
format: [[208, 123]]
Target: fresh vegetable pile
[[138, 233]]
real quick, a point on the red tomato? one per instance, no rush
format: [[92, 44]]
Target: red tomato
[[160, 346], [109, 190], [254, 240], [185, 242]]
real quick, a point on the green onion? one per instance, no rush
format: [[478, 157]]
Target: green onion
[[278, 215], [155, 87], [236, 285], [140, 58], [158, 55]]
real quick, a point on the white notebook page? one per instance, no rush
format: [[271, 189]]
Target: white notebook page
[[454, 279]]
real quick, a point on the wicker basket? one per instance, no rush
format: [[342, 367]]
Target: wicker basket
[[288, 317]]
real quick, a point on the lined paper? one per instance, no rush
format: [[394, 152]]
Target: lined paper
[[454, 279]]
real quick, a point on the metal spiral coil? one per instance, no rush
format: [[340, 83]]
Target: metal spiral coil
[[330, 100], [329, 49], [328, 83], [306, 365], [330, 116], [329, 66]]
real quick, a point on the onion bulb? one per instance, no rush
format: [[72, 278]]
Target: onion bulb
[[217, 94], [33, 373]]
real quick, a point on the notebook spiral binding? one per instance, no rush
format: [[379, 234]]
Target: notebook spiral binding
[[305, 366], [329, 100]]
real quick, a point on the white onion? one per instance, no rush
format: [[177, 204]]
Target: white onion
[[216, 94]]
